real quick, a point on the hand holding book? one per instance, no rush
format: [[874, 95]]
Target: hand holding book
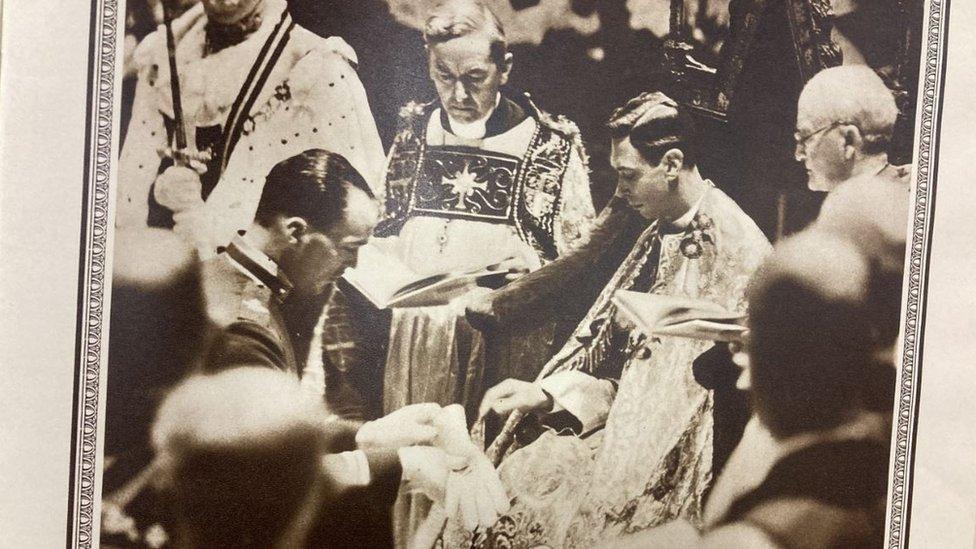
[[389, 283], [660, 315]]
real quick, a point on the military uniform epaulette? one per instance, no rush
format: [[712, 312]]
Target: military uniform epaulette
[[254, 305], [233, 297]]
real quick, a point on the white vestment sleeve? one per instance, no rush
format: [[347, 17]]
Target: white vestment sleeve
[[139, 161], [586, 397], [327, 110], [348, 469]]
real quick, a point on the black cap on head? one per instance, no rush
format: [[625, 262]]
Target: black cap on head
[[655, 124]]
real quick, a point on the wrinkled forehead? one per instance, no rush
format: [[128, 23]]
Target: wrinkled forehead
[[815, 109], [809, 118], [463, 53]]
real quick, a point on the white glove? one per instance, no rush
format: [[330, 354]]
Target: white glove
[[425, 470], [473, 492], [411, 425], [179, 189]]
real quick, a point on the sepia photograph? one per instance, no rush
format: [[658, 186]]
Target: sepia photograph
[[510, 274]]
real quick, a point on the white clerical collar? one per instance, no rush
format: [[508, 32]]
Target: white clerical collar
[[472, 130]]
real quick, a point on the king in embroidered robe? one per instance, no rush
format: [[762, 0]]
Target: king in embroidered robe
[[615, 435], [253, 92]]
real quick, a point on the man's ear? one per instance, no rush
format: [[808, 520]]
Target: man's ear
[[295, 227], [853, 140], [673, 161], [506, 68]]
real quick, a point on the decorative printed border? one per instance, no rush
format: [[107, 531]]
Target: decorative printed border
[[926, 152], [100, 157]]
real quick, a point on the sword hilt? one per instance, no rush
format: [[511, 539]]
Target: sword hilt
[[185, 156]]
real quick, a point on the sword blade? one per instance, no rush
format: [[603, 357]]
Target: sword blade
[[174, 79]]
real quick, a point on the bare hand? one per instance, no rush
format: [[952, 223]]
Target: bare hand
[[409, 426], [480, 313], [514, 394]]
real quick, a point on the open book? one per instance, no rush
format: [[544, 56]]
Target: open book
[[388, 283], [679, 316]]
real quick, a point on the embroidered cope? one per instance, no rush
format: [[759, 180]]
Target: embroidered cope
[[651, 461]]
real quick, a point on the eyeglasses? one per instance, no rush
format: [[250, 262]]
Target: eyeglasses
[[801, 139]]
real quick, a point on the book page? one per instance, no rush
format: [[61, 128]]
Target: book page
[[379, 274], [656, 313]]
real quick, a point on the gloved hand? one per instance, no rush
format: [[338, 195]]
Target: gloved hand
[[425, 470], [179, 189], [411, 425], [474, 493]]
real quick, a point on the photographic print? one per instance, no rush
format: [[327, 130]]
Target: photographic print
[[504, 273]]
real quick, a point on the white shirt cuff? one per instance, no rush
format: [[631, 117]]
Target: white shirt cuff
[[348, 469], [587, 398]]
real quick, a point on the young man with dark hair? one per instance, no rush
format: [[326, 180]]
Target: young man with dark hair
[[621, 415], [314, 214]]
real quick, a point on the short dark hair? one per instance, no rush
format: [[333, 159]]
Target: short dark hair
[[655, 124], [813, 352], [313, 185]]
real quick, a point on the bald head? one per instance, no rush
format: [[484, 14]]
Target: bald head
[[239, 454], [845, 119], [852, 94]]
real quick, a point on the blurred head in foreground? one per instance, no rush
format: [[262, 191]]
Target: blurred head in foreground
[[239, 455], [158, 329], [874, 215], [814, 340]]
